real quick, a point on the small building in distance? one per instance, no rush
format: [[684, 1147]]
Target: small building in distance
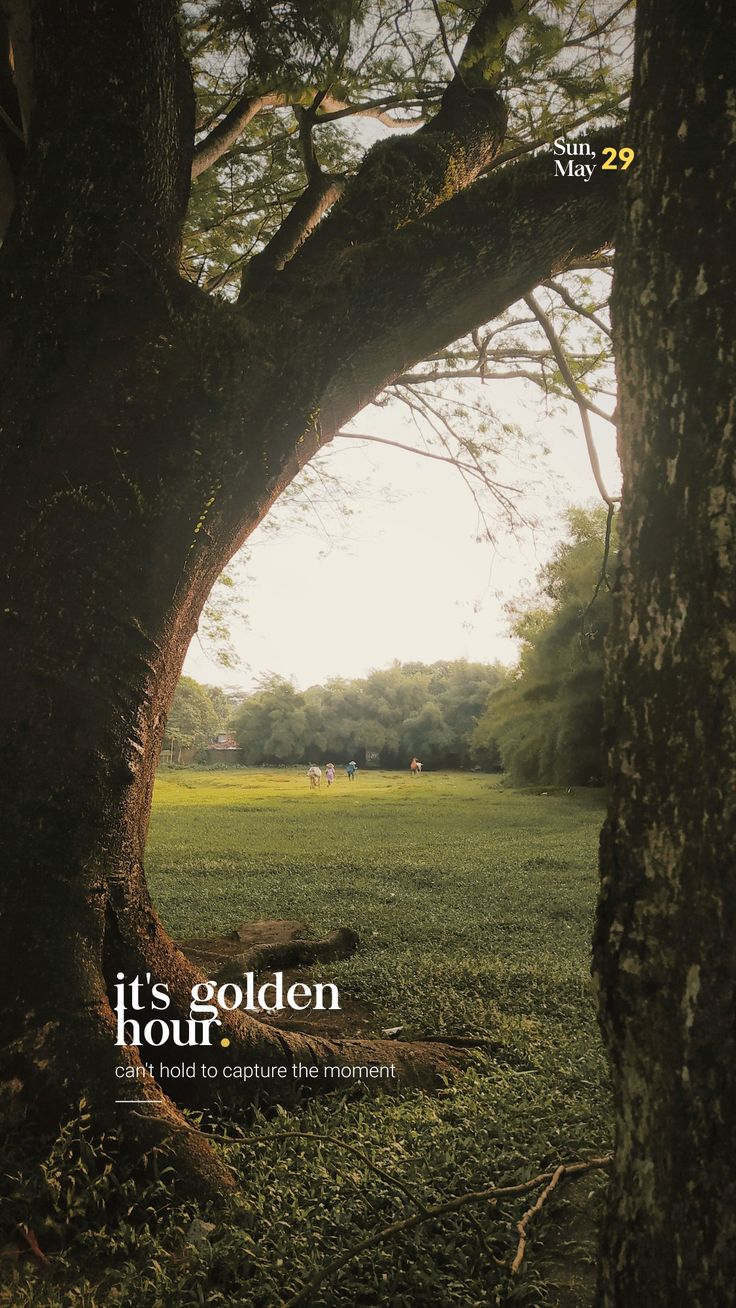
[[224, 750]]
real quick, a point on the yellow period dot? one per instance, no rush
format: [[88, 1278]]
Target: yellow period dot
[[225, 1042]]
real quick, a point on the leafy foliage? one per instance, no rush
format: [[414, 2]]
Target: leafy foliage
[[548, 717], [197, 713], [409, 708]]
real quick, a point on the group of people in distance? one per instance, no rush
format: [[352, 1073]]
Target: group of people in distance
[[315, 773]]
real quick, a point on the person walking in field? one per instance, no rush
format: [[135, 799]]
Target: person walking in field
[[330, 773], [315, 776], [351, 769]]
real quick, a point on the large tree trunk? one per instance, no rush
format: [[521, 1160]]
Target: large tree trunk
[[138, 452], [111, 546], [664, 950]]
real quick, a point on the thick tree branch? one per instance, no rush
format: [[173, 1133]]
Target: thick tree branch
[[222, 137], [303, 217], [226, 133], [305, 123], [401, 180], [482, 60], [396, 301], [322, 190], [134, 156], [332, 109]]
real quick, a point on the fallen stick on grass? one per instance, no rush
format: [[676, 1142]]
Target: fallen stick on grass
[[528, 1215], [437, 1210], [550, 1181]]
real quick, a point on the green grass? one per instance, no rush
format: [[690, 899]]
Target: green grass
[[474, 905]]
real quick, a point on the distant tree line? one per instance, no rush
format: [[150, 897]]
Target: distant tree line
[[384, 718], [542, 722]]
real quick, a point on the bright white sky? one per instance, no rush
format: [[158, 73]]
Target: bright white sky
[[404, 577]]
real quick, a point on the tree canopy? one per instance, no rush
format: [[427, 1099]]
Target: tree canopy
[[293, 108], [409, 708]]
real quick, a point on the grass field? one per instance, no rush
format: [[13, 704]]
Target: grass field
[[474, 906], [473, 901]]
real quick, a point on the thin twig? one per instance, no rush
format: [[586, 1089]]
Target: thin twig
[[567, 299], [427, 454], [583, 404], [599, 27], [250, 1142], [490, 1195], [445, 42], [603, 575], [560, 129], [558, 350], [436, 1210]]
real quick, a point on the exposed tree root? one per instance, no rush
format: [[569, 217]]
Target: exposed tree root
[[47, 1074], [143, 946], [298, 953], [68, 1051], [266, 946]]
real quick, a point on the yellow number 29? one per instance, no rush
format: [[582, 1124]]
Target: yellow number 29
[[625, 154]]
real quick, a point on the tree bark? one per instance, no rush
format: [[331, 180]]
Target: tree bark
[[146, 430], [664, 951]]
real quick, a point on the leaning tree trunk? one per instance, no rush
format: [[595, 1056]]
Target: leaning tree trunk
[[664, 950], [106, 579], [112, 535], [138, 450]]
